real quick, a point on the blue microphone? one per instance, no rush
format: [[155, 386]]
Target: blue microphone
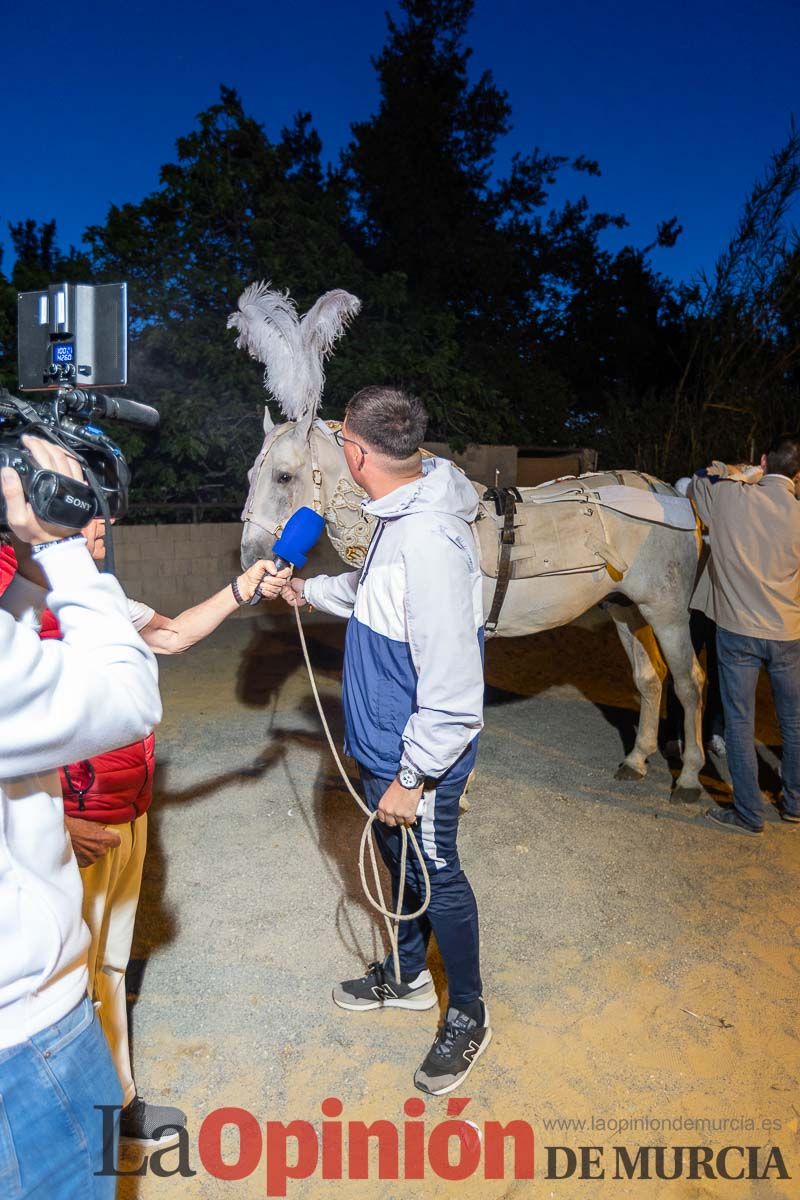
[[300, 535]]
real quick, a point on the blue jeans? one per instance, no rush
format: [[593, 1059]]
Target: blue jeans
[[453, 912], [740, 661], [51, 1134]]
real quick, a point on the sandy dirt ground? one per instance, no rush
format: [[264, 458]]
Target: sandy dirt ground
[[638, 965]]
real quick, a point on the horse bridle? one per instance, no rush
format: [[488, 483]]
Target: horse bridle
[[316, 476]]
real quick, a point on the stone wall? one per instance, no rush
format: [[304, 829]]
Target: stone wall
[[484, 464], [172, 567]]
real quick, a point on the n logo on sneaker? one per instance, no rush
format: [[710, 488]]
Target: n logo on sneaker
[[383, 991], [471, 1050]]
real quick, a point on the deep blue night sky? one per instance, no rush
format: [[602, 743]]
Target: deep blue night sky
[[680, 102]]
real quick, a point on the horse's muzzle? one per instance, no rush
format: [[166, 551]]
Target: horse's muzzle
[[257, 543]]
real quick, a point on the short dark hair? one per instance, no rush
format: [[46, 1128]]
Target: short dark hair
[[389, 419], [783, 455]]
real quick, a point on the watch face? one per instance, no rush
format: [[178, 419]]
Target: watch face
[[409, 778]]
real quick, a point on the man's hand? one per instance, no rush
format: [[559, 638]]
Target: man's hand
[[20, 517], [399, 805], [293, 592], [90, 841], [748, 472]]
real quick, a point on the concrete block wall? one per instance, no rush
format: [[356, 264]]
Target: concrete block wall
[[484, 464], [172, 567]]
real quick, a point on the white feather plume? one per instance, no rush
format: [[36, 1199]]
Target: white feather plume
[[326, 321], [293, 351]]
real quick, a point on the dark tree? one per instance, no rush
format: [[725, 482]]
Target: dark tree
[[519, 276], [233, 208]]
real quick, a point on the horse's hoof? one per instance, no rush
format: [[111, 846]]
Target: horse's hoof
[[463, 803], [625, 771], [685, 795]]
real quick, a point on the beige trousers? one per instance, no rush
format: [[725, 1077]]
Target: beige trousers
[[110, 895]]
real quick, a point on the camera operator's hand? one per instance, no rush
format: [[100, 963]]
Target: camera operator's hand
[[90, 840], [20, 517], [293, 591]]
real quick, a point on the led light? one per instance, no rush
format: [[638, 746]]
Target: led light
[[43, 310], [61, 308]]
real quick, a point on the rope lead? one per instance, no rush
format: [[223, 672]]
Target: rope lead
[[391, 918]]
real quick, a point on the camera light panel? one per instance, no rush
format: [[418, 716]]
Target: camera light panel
[[73, 335]]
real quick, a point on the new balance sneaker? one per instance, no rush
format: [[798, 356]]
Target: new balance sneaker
[[150, 1126], [457, 1047], [379, 989]]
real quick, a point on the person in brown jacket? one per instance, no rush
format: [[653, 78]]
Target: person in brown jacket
[[751, 590]]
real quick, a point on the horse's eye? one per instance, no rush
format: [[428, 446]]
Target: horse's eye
[[284, 477]]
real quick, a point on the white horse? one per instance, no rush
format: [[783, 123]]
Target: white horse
[[300, 463]]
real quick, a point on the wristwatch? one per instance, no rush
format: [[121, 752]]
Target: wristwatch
[[407, 777]]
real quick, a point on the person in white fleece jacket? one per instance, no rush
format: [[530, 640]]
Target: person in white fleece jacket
[[60, 701]]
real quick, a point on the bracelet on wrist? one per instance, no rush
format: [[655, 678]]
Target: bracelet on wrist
[[237, 595]]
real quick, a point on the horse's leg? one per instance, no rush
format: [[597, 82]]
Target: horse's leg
[[642, 654], [675, 641]]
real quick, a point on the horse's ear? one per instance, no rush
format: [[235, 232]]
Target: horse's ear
[[269, 424], [306, 423]]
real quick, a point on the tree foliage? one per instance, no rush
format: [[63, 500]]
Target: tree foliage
[[505, 311]]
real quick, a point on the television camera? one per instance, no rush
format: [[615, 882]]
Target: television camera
[[72, 340]]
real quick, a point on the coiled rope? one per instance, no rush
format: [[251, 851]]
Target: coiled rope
[[391, 918]]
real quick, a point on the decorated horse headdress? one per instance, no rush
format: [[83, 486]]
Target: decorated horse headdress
[[292, 349]]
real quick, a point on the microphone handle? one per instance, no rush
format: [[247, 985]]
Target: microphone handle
[[280, 563]]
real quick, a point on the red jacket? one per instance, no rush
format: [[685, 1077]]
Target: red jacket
[[110, 788], [8, 567]]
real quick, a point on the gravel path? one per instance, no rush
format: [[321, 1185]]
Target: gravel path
[[638, 964]]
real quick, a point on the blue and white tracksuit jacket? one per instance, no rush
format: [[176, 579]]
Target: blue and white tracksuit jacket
[[413, 668], [413, 695]]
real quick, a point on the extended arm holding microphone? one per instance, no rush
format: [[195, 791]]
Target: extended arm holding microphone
[[173, 635]]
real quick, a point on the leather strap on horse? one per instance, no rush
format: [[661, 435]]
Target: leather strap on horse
[[508, 498]]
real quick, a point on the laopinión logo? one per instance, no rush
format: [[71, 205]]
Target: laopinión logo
[[453, 1149]]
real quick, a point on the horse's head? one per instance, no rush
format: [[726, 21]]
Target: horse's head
[[297, 466], [296, 456]]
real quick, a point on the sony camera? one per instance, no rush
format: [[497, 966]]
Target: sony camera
[[72, 339]]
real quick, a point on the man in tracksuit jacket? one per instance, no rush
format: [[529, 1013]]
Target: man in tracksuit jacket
[[413, 704]]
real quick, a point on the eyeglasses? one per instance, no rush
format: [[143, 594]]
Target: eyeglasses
[[340, 440]]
